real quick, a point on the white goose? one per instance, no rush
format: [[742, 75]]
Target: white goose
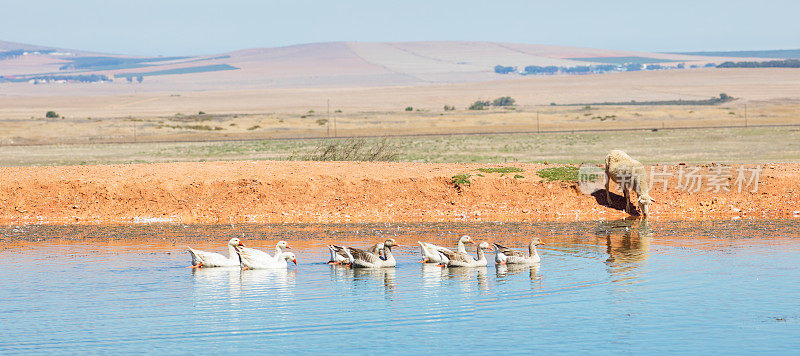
[[358, 258], [202, 259], [505, 255], [433, 254], [339, 256], [257, 259], [466, 260]]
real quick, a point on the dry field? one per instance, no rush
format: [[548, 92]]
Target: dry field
[[23, 101], [766, 97], [319, 123], [153, 126], [732, 145]]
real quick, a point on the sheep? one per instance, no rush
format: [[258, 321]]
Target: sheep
[[630, 175]]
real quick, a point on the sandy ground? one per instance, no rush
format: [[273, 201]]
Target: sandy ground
[[336, 192]]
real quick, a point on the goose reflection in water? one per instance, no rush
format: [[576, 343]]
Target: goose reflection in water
[[280, 279], [212, 280], [433, 275], [504, 272], [209, 281], [361, 276], [467, 276]]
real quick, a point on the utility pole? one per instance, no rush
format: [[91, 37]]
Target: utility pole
[[745, 115], [329, 118], [538, 130], [334, 127]]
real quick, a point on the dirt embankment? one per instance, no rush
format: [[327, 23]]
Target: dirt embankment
[[336, 192]]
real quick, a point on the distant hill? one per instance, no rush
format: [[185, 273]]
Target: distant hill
[[8, 46], [776, 53], [331, 64]]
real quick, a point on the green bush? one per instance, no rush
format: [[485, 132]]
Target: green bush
[[51, 114], [501, 170], [459, 181], [503, 101], [409, 108], [479, 104], [565, 173]]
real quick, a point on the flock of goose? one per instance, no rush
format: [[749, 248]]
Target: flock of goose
[[376, 256]]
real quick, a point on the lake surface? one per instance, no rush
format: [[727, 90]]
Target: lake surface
[[602, 287]]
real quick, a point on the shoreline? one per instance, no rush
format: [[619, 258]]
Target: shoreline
[[269, 192]]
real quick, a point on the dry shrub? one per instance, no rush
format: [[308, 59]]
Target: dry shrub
[[353, 150]]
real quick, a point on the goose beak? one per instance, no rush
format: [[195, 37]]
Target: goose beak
[[540, 244], [295, 261], [288, 247], [241, 244]]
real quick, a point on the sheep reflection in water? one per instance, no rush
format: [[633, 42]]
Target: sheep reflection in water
[[628, 247]]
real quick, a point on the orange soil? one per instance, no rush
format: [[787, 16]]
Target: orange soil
[[335, 192]]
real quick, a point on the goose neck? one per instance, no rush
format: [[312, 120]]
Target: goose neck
[[461, 248], [387, 252], [481, 254], [532, 250]]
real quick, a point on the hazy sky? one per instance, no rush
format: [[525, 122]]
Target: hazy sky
[[173, 27]]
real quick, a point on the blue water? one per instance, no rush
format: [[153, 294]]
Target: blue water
[[721, 287]]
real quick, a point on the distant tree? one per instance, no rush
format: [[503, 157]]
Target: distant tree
[[725, 97], [51, 114], [479, 104], [604, 68], [632, 67], [541, 70], [139, 78], [577, 70], [504, 70], [201, 113], [409, 108], [503, 101], [130, 79], [784, 63], [449, 108], [681, 65]]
